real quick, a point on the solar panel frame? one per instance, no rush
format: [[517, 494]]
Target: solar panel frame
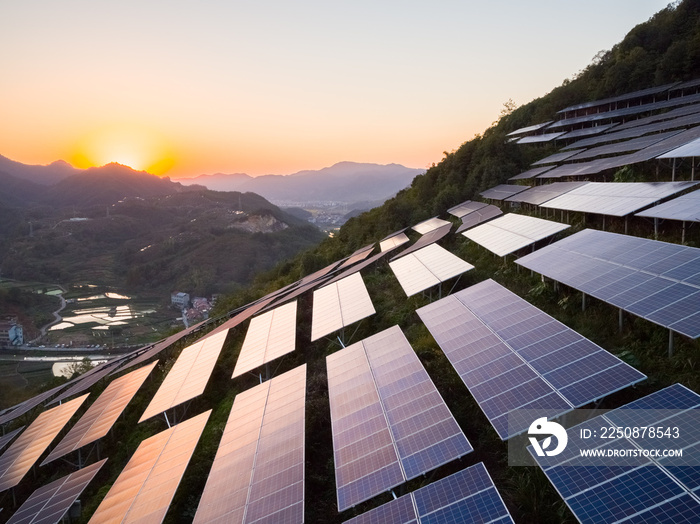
[[426, 268], [50, 503], [146, 486], [540, 194], [18, 459], [102, 414], [531, 173], [537, 139], [624, 146], [468, 496], [357, 256], [273, 411], [465, 208], [511, 232], [393, 241], [338, 305], [270, 336], [479, 217], [189, 375], [560, 156], [652, 279], [513, 356], [593, 491], [425, 240], [429, 225], [503, 191], [380, 395], [7, 437], [691, 149]]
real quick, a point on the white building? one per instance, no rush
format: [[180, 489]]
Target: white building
[[180, 300], [11, 334]]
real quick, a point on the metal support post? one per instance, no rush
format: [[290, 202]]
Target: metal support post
[[619, 320], [583, 302], [670, 343]]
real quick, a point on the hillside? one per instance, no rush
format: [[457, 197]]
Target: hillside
[[345, 182]]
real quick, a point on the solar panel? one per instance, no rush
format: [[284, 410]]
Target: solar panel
[[479, 217], [531, 173], [503, 191], [429, 225], [686, 208], [468, 496], [625, 146], [5, 439], [269, 336], [357, 256], [465, 208], [50, 503], [258, 471], [23, 453], [389, 422], [426, 268], [102, 414], [619, 98], [690, 149], [146, 486], [558, 157], [86, 381], [393, 241], [537, 139], [188, 376], [540, 194], [674, 113], [513, 356], [511, 232], [587, 131], [654, 280], [616, 198], [427, 239], [529, 129], [639, 489], [342, 303]]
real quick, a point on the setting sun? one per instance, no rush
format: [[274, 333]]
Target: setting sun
[[138, 148]]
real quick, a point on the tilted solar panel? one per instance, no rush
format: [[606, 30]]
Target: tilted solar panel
[[269, 336], [426, 268], [479, 217], [536, 139], [690, 149], [511, 232], [102, 414], [531, 173], [465, 208], [637, 489], [468, 497], [393, 241], [389, 422], [29, 404], [654, 280], [357, 256], [338, 305], [50, 503], [540, 194], [428, 225], [427, 239], [23, 453], [686, 208], [6, 438], [616, 198], [513, 356], [503, 191], [258, 471], [557, 157], [146, 486], [188, 377]]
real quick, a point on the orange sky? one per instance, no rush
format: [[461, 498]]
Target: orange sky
[[183, 88]]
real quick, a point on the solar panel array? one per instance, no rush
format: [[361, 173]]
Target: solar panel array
[[393, 241], [587, 131], [188, 376], [357, 256], [6, 438], [269, 336], [87, 380], [102, 414], [685, 207], [503, 191], [653, 280], [479, 217], [427, 239], [616, 198], [690, 149], [513, 356], [511, 232], [668, 115], [50, 503], [540, 194], [338, 305], [429, 225], [426, 268], [465, 208], [537, 139], [557, 157], [389, 422], [24, 452], [531, 173], [146, 486], [468, 496], [258, 471], [625, 146], [636, 489]]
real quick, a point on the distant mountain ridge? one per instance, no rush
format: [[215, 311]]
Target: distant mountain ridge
[[343, 182]]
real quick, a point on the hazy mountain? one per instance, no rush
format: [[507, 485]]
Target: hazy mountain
[[343, 182], [46, 175]]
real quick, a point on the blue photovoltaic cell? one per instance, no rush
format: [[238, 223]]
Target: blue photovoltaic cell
[[635, 489], [657, 281], [468, 496], [389, 422], [512, 356]]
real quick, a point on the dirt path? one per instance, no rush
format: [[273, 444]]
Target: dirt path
[[56, 315]]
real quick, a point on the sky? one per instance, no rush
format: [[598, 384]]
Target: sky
[[183, 88]]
